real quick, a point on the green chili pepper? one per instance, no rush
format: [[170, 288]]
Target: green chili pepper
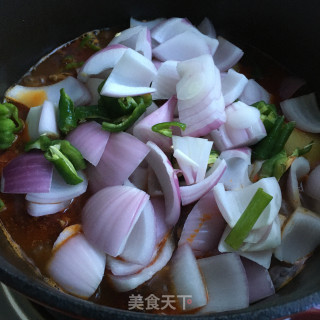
[[88, 42], [268, 114], [66, 116], [164, 128], [274, 167], [2, 205], [63, 165], [214, 155], [72, 153], [42, 143], [83, 113], [283, 136], [301, 151]]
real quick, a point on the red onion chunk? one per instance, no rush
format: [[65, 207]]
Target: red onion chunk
[[101, 61], [187, 278], [110, 215], [150, 24], [29, 172], [60, 191], [77, 91], [121, 157], [226, 281], [129, 282], [300, 236], [143, 129], [194, 192], [232, 85], [304, 110], [76, 266], [289, 86], [166, 80], [204, 227], [184, 46], [159, 207], [312, 185], [207, 28], [233, 203], [120, 267], [47, 121], [42, 209], [137, 38], [168, 179], [131, 76], [299, 168], [227, 54], [142, 239], [90, 140], [260, 283], [253, 92]]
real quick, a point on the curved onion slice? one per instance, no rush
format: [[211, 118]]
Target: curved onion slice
[[299, 168], [76, 266], [227, 54], [233, 203], [260, 283], [150, 23], [29, 172], [127, 283], [35, 96], [203, 227], [47, 121], [110, 215], [160, 210], [226, 281], [300, 236], [166, 80], [238, 161], [304, 110], [194, 192], [90, 140], [142, 239], [232, 85], [187, 279], [120, 267], [42, 209], [131, 76], [207, 28], [137, 38], [168, 179], [196, 149], [253, 92], [312, 185], [60, 190], [142, 130], [121, 157], [101, 61]]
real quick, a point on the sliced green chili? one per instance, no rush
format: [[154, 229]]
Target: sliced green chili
[[2, 205], [72, 153], [66, 116], [276, 166], [88, 41], [42, 143], [165, 129], [214, 155], [247, 220], [268, 114]]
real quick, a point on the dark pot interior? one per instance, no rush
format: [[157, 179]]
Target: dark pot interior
[[287, 30]]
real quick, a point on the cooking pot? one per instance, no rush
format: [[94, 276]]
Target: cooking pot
[[288, 30]]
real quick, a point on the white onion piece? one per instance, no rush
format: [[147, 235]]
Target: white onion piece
[[121, 157], [76, 266], [142, 239], [120, 267], [299, 168], [198, 150], [194, 192], [131, 76], [127, 283], [60, 191], [137, 38], [227, 54], [143, 129], [101, 61], [150, 23], [165, 80], [238, 161], [289, 86], [204, 227], [32, 122], [226, 281], [260, 283], [42, 209], [184, 46], [48, 121], [168, 179], [187, 279], [93, 84], [110, 215], [253, 92], [77, 91], [233, 203], [312, 185], [232, 85], [304, 110], [207, 28], [90, 139], [300, 236]]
